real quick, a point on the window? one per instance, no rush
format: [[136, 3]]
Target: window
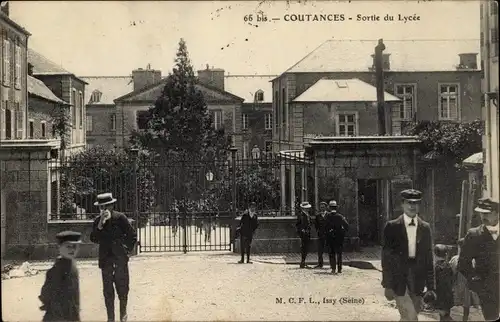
[[74, 107], [6, 62], [8, 122], [44, 129], [245, 150], [276, 109], [88, 122], [347, 124], [448, 102], [494, 35], [481, 39], [244, 125], [82, 112], [494, 7], [17, 74], [143, 118], [481, 10], [32, 129], [406, 109], [259, 96], [268, 121], [113, 122], [95, 97], [217, 119]]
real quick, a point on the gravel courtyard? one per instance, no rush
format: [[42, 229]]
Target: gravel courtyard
[[212, 287]]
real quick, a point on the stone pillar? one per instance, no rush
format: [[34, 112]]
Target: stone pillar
[[292, 187], [283, 186]]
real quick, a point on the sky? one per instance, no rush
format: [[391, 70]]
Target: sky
[[111, 38]]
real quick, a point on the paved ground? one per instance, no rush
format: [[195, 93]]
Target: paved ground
[[212, 287]]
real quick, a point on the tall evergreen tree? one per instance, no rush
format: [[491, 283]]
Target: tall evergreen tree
[[180, 123]]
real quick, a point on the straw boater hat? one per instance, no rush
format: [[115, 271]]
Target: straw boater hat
[[332, 203], [486, 205], [104, 199], [305, 205]]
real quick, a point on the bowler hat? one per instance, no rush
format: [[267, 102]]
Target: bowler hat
[[411, 195], [73, 237], [486, 205], [104, 199], [305, 205], [333, 203], [323, 203]]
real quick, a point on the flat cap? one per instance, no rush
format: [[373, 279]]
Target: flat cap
[[69, 236], [486, 205], [323, 203], [411, 195]]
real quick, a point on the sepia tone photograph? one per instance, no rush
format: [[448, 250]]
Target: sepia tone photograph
[[249, 160]]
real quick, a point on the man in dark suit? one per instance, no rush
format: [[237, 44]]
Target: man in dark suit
[[407, 258], [116, 238], [319, 223], [478, 259], [336, 227], [303, 226], [248, 224]]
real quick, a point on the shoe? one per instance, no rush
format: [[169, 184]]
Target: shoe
[[318, 266], [333, 272], [241, 262], [249, 262], [302, 265]]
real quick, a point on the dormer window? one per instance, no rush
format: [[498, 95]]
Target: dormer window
[[259, 96], [95, 97]]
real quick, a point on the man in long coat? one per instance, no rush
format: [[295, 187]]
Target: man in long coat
[[303, 226], [478, 259], [116, 238], [407, 258], [319, 223], [248, 224], [336, 230]]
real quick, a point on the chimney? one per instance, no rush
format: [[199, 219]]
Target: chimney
[[4, 6], [212, 77], [386, 62], [467, 61], [145, 77], [30, 69]]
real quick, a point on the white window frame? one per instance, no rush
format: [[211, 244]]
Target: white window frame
[[113, 122], [6, 62], [268, 121], [217, 118], [17, 72], [244, 121], [88, 123], [402, 103], [440, 95], [31, 126], [356, 122]]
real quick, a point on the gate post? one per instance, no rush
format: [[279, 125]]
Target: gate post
[[233, 190], [135, 160]]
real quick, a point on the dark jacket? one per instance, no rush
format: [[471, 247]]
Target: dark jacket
[[444, 285], [303, 224], [248, 224], [395, 257], [320, 224], [116, 239], [480, 246], [60, 294], [336, 226]]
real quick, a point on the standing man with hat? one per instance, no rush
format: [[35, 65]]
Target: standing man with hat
[[116, 238], [407, 258], [60, 295], [336, 227], [478, 259], [319, 223], [303, 226], [248, 224]]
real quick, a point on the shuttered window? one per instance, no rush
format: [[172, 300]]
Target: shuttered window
[[448, 102], [18, 74], [6, 62], [19, 122]]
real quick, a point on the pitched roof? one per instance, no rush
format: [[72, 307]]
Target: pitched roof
[[44, 66], [342, 90], [11, 22], [246, 86], [37, 87], [355, 55], [111, 87], [152, 92]]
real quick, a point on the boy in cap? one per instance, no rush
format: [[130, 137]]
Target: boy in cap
[[303, 226], [60, 294], [478, 259], [319, 223], [248, 224], [336, 227], [444, 282]]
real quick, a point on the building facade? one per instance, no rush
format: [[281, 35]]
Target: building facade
[[69, 88], [489, 84], [442, 86]]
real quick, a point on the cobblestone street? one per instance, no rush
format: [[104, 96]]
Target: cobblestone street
[[195, 287]]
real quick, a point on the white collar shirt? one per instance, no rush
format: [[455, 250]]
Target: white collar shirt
[[493, 231], [411, 232]]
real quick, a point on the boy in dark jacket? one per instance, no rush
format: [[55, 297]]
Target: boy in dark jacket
[[248, 224], [60, 295], [444, 283]]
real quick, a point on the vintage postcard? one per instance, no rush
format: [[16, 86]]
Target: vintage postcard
[[249, 160]]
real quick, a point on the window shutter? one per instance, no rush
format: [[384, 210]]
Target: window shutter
[[19, 123], [398, 184]]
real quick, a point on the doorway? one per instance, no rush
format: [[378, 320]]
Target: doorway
[[369, 211]]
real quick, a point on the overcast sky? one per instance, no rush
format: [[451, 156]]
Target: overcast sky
[[113, 38]]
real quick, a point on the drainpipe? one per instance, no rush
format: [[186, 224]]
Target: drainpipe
[[379, 74]]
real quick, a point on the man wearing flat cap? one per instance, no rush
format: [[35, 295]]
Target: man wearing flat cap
[[336, 229], [319, 223], [478, 258], [116, 238], [60, 294], [407, 258], [303, 226]]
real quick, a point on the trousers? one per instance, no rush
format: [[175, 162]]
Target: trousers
[[246, 242], [115, 274], [335, 250], [409, 305], [304, 246], [321, 249], [489, 303]]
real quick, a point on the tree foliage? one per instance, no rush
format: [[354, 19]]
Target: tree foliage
[[451, 141]]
